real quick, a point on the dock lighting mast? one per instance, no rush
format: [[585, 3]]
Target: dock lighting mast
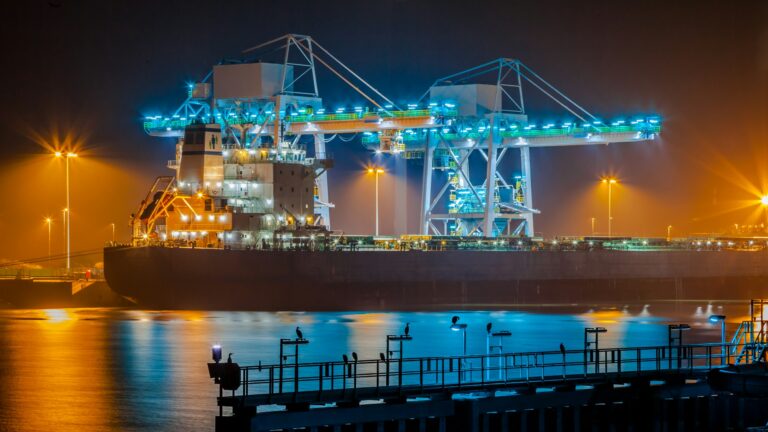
[[764, 203], [721, 319], [48, 222], [610, 181], [494, 348], [462, 327], [376, 171], [68, 209]]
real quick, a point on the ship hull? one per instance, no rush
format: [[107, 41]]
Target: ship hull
[[183, 278]]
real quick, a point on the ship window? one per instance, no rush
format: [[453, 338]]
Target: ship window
[[208, 205], [213, 141]]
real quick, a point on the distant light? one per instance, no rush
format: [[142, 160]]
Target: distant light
[[198, 218], [764, 200]]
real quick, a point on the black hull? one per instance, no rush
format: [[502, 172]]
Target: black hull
[[292, 280]]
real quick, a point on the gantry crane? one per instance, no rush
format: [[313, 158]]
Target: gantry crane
[[478, 110]]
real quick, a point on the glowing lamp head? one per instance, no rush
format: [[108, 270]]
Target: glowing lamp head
[[370, 171], [216, 353], [716, 318], [610, 180], [57, 154], [764, 200], [71, 155]]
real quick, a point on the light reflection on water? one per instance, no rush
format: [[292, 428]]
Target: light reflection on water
[[118, 370]]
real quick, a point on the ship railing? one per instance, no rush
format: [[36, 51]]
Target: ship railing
[[471, 371]]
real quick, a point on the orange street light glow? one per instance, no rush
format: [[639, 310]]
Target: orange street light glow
[[764, 200]]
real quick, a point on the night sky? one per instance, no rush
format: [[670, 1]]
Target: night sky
[[86, 72]]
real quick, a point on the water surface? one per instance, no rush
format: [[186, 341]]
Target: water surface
[[125, 370]]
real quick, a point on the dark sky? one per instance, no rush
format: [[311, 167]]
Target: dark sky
[[91, 69]]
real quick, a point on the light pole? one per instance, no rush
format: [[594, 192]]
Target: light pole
[[48, 221], [462, 327], [64, 212], [376, 171], [610, 181], [593, 226], [669, 233], [764, 203], [113, 233], [720, 318], [67, 157]]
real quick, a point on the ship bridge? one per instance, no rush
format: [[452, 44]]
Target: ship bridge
[[262, 102]]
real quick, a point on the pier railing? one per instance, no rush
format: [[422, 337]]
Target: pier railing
[[476, 371]]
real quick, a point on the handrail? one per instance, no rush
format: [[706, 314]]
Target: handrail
[[430, 372]]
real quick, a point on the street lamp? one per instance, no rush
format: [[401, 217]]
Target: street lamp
[[67, 156], [462, 327], [48, 221], [113, 233], [721, 319], [610, 181], [669, 233], [376, 171], [490, 348], [764, 203]]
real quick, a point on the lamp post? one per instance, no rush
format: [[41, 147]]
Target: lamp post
[[48, 221], [593, 226], [490, 348], [462, 327], [764, 203], [68, 210], [669, 233], [113, 233], [720, 318], [376, 171], [610, 181]]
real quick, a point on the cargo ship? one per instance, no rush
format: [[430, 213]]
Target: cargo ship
[[244, 220]]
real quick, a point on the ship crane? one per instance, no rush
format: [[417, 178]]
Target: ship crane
[[478, 110]]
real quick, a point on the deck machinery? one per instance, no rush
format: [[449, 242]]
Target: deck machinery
[[243, 170]]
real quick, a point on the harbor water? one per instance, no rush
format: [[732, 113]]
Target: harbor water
[[132, 370]]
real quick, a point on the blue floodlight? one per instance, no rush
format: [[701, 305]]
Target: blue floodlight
[[216, 353], [339, 110], [449, 105], [321, 111], [358, 108]]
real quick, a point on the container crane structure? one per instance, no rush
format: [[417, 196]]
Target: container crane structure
[[480, 110]]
